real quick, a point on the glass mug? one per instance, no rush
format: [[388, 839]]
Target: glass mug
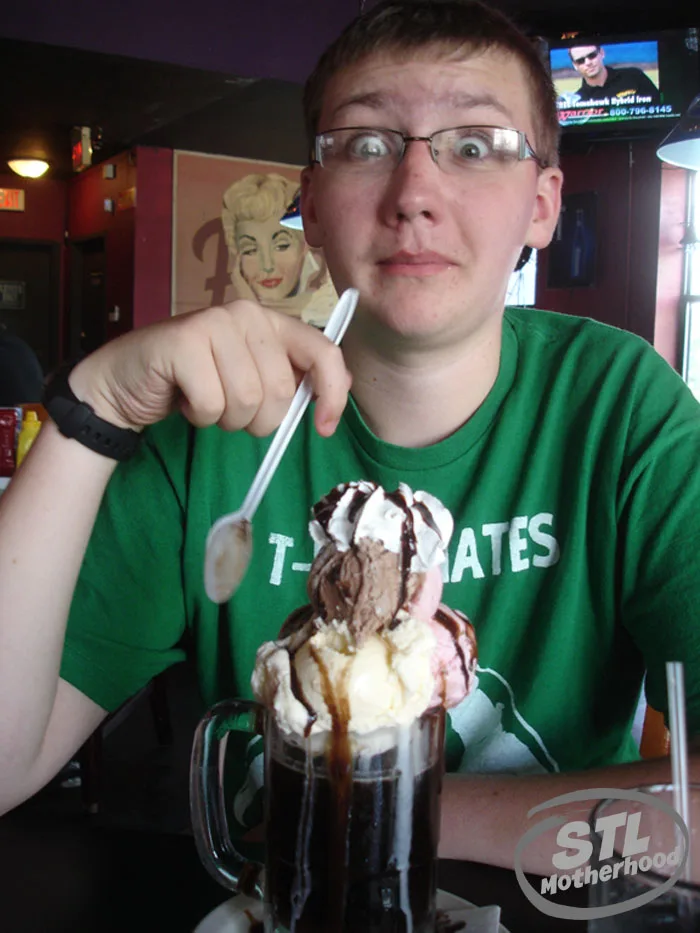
[[675, 909], [351, 828]]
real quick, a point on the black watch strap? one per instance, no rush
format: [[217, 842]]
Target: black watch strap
[[78, 420]]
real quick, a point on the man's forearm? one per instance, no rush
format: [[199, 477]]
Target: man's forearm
[[46, 516], [484, 816]]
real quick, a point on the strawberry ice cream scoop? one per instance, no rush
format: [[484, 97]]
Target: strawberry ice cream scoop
[[427, 600], [454, 659]]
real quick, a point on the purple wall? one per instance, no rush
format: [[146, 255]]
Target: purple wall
[[255, 38]]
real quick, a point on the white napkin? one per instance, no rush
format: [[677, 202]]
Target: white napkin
[[477, 919], [234, 915]]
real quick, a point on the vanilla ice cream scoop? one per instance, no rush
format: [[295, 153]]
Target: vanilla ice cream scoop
[[320, 674]]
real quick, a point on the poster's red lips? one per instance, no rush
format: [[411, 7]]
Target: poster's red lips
[[270, 283]]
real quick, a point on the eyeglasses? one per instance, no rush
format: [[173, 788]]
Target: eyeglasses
[[373, 150], [587, 58]]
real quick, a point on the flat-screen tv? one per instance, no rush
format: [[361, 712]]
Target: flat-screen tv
[[620, 85]]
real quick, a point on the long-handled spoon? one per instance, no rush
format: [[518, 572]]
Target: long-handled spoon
[[230, 539]]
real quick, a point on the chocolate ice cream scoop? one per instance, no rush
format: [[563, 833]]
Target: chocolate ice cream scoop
[[375, 548], [365, 586]]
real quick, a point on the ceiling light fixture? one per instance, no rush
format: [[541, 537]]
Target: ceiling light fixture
[[682, 145], [29, 168]]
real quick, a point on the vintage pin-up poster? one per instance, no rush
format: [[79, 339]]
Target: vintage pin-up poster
[[228, 242]]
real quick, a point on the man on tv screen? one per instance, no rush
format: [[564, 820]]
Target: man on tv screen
[[618, 85]]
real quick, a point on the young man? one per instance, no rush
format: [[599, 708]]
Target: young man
[[619, 85], [564, 449]]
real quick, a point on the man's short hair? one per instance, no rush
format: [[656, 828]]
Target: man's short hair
[[407, 25], [575, 45]]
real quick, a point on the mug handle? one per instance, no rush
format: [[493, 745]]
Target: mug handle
[[207, 805]]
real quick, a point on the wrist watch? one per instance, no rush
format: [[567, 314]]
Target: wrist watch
[[77, 420]]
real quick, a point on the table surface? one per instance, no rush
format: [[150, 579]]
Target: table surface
[[63, 874]]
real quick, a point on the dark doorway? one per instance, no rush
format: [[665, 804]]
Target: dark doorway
[[29, 295], [88, 311]]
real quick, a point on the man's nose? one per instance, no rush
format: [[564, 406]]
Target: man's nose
[[415, 187]]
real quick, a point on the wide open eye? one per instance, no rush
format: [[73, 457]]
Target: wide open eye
[[472, 147], [359, 149], [367, 146]]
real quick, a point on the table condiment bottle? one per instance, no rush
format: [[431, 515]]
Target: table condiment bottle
[[28, 432]]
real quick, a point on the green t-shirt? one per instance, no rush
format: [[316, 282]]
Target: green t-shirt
[[574, 491]]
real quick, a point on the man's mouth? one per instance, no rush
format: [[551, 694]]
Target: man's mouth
[[418, 265]]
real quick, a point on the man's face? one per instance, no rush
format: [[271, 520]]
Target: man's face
[[587, 60], [430, 252]]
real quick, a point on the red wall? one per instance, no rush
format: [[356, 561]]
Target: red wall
[[86, 213], [44, 214], [88, 218], [153, 238], [137, 235], [627, 180]]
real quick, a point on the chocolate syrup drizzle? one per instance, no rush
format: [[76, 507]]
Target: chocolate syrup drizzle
[[296, 620], [256, 926], [427, 517], [298, 693], [445, 924], [452, 625], [323, 510], [339, 763], [408, 549]]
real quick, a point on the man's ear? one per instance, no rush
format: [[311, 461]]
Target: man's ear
[[547, 207], [309, 217]]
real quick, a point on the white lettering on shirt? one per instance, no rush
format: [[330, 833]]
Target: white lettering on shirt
[[467, 557], [531, 544], [546, 541], [496, 531], [518, 544], [281, 543]]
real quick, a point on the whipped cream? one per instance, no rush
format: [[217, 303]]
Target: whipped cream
[[363, 509]]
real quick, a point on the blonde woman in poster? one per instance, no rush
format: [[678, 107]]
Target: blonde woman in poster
[[269, 262]]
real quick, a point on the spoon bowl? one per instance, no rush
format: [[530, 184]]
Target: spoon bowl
[[230, 540], [229, 549]]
